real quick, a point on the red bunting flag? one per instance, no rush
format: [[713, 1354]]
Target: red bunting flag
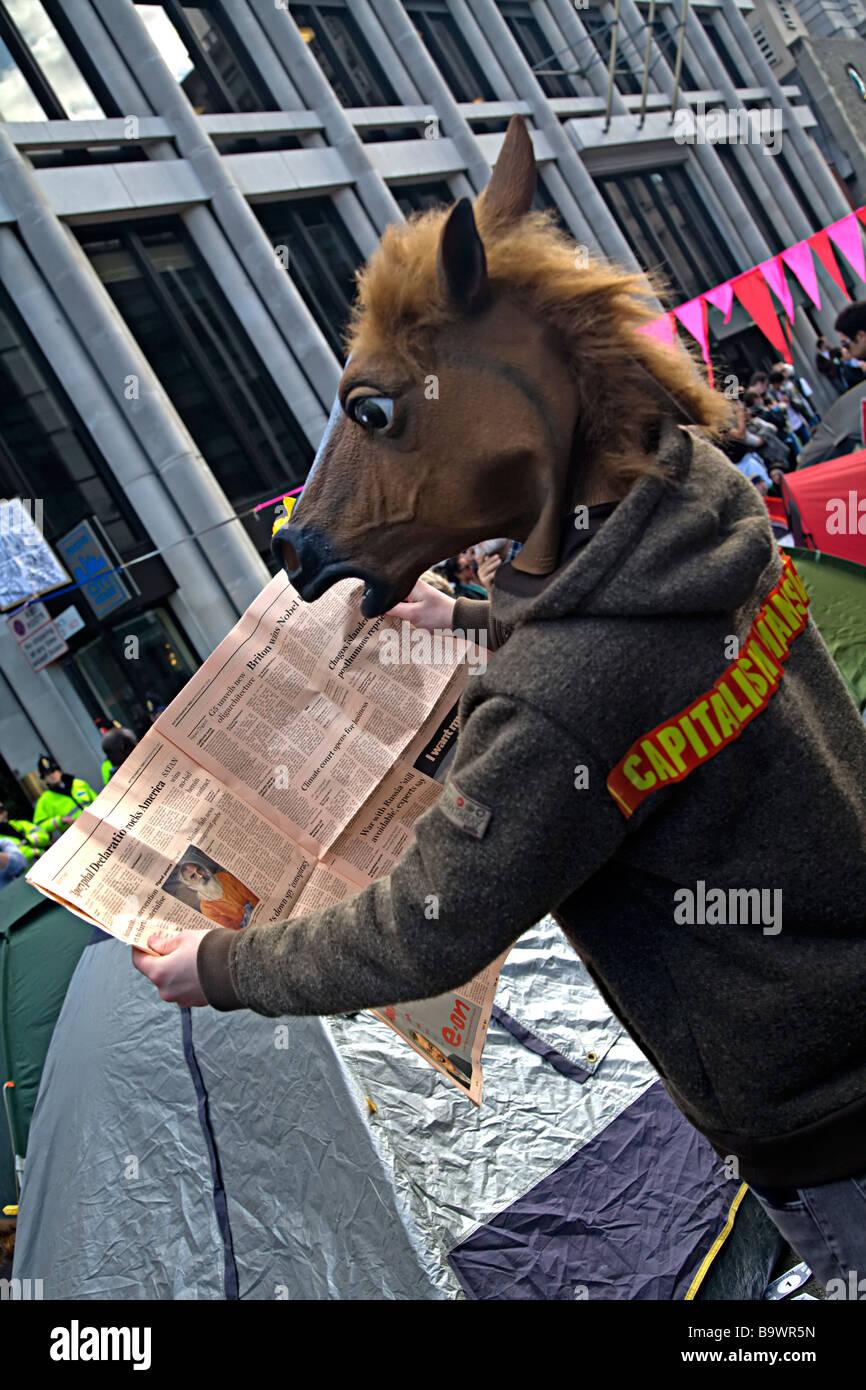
[[752, 292], [820, 244]]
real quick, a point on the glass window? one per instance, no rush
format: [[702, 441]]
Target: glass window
[[599, 30], [190, 336], [31, 46], [667, 40], [796, 188], [45, 451], [203, 50], [17, 102], [59, 157], [538, 51], [131, 691], [661, 215], [755, 204], [418, 197], [721, 49], [344, 55], [449, 50], [322, 259]]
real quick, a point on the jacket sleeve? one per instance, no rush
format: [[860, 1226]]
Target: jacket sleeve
[[474, 615], [512, 835], [43, 818]]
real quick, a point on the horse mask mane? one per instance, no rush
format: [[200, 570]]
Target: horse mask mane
[[496, 378]]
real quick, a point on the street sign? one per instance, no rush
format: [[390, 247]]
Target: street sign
[[37, 637], [88, 552]]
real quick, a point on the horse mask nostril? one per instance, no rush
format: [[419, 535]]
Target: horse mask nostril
[[290, 556]]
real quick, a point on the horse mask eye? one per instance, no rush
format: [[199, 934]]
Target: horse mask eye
[[374, 413]]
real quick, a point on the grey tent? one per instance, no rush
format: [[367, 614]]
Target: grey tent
[[186, 1154], [840, 431]]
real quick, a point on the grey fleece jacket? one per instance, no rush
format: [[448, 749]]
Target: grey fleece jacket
[[758, 1033]]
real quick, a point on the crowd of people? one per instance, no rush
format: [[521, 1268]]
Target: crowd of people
[[775, 417], [471, 573]]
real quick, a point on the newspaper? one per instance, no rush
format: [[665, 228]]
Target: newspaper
[[287, 774]]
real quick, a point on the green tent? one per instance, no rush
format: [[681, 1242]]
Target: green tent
[[837, 598], [40, 943]]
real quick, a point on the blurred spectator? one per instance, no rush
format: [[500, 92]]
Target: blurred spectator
[[12, 861], [117, 744], [462, 574], [851, 324], [784, 389], [828, 363]]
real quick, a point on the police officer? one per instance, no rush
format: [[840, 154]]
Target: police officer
[[63, 800]]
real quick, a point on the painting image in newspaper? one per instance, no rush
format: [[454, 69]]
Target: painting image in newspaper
[[288, 773]]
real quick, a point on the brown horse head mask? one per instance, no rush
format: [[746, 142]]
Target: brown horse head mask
[[484, 363]]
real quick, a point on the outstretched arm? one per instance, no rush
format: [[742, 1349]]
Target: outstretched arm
[[509, 839]]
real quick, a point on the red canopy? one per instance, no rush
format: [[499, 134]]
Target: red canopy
[[827, 504]]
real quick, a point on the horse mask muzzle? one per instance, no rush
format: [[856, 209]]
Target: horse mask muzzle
[[308, 558]]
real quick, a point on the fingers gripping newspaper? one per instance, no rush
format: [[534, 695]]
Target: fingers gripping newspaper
[[288, 773]]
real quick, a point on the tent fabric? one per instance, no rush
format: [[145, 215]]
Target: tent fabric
[[351, 1169], [591, 1229], [40, 943], [837, 597], [816, 499], [840, 431]]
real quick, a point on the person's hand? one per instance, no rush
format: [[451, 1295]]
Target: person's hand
[[68, 820], [425, 607], [173, 970], [487, 567]]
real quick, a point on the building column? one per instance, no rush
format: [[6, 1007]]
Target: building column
[[374, 193], [806, 163], [482, 52], [759, 168], [434, 89], [56, 721], [115, 353], [288, 98], [591, 217], [734, 220], [382, 40], [205, 607], [242, 228]]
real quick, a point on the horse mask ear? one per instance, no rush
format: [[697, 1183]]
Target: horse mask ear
[[461, 265], [511, 189]]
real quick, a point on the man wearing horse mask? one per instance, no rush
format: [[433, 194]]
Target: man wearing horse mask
[[660, 750]]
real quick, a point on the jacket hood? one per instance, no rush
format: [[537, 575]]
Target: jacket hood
[[697, 544]]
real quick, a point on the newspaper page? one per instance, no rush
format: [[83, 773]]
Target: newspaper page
[[287, 774]]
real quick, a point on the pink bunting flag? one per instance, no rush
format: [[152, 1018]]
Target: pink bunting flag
[[774, 273], [846, 235], [693, 316], [798, 259], [722, 298], [662, 329]]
